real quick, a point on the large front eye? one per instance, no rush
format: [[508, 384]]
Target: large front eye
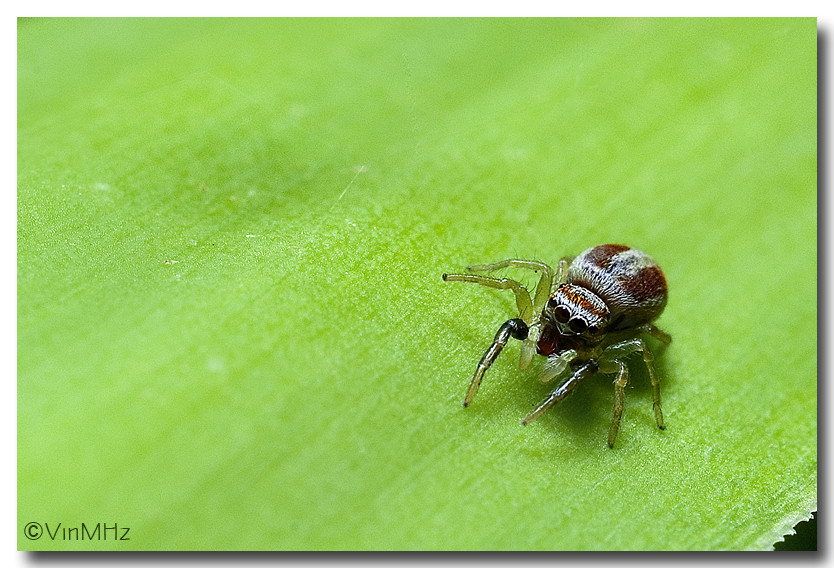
[[562, 314], [577, 325]]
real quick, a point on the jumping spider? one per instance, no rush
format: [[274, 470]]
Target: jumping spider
[[586, 317]]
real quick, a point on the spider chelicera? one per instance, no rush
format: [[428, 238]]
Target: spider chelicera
[[586, 317]]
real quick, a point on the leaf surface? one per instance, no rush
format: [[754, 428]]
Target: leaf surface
[[232, 331]]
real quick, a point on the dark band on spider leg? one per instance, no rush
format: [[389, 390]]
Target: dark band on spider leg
[[515, 328]]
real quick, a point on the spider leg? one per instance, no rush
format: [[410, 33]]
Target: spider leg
[[535, 265], [511, 328], [619, 402], [585, 371], [561, 274], [523, 301], [623, 348], [522, 296], [658, 333], [529, 307], [549, 281], [537, 301], [545, 282], [647, 328]]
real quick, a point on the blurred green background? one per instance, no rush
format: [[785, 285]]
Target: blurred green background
[[232, 332]]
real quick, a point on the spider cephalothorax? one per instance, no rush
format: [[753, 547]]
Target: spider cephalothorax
[[586, 317]]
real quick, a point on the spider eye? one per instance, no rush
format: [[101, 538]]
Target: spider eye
[[562, 314], [593, 330], [577, 325]]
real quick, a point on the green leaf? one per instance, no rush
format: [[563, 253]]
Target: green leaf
[[232, 331]]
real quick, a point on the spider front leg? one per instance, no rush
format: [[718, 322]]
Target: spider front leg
[[522, 296], [529, 307], [515, 328], [543, 289]]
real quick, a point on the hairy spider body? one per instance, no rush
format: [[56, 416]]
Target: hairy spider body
[[586, 317]]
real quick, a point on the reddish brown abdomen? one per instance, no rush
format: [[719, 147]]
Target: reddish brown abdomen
[[628, 280]]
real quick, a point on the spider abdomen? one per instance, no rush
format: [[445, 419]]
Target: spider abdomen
[[627, 279]]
